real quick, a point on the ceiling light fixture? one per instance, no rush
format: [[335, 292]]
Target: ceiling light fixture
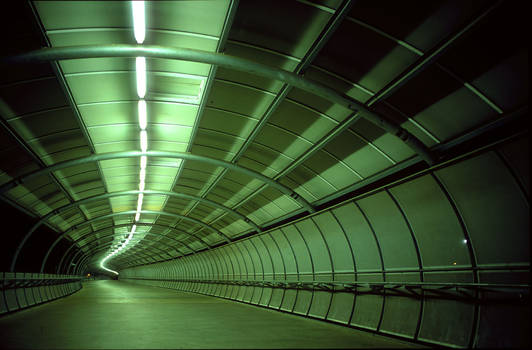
[[143, 141], [143, 120], [143, 161], [142, 175], [141, 76], [139, 21]]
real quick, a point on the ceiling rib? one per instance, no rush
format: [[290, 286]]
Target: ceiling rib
[[385, 94], [107, 216], [132, 154], [303, 64], [220, 48], [425, 61], [125, 225], [241, 64], [97, 247], [40, 164], [89, 235], [128, 29], [157, 257], [179, 155], [112, 215], [132, 212], [68, 94], [412, 49], [158, 254], [114, 234], [318, 44], [129, 256], [126, 193]]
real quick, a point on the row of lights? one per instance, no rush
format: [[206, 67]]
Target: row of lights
[[139, 27]]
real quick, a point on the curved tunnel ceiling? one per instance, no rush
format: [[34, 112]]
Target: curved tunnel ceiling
[[440, 72]]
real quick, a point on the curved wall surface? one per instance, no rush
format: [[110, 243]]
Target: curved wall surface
[[408, 259]]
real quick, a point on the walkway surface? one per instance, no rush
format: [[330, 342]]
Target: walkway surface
[[114, 314]]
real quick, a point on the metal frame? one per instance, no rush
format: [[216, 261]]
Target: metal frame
[[125, 225], [240, 64], [90, 234], [471, 251], [126, 193], [418, 255], [150, 233], [97, 248], [84, 258], [220, 47], [21, 143], [436, 290], [96, 243], [132, 212], [179, 155], [425, 61], [281, 95], [419, 52], [133, 154], [59, 75]]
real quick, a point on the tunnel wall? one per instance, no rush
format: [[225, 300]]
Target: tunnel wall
[[22, 290], [466, 222]]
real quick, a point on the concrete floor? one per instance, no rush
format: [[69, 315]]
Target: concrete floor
[[113, 314]]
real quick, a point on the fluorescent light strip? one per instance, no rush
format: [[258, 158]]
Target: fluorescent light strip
[[143, 162], [139, 202], [139, 21], [105, 268], [139, 28], [141, 76], [143, 119], [143, 141]]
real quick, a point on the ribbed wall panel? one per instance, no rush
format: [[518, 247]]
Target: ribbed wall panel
[[17, 292], [466, 222]]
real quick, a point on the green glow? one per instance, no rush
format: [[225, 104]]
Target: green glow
[[143, 141], [143, 118], [139, 21], [140, 63]]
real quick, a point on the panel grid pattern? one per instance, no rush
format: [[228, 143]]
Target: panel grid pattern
[[419, 239]]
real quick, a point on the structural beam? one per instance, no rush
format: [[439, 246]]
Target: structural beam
[[126, 193], [331, 26], [123, 225], [88, 235], [240, 64], [179, 155], [132, 212], [136, 248]]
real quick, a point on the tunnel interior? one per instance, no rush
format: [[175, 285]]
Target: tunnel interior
[[364, 164]]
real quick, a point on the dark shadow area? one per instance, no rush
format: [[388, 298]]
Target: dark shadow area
[[14, 19], [32, 254]]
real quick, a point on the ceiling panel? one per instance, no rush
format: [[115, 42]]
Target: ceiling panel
[[315, 147]]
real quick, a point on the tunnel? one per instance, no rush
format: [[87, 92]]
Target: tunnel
[[264, 174]]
